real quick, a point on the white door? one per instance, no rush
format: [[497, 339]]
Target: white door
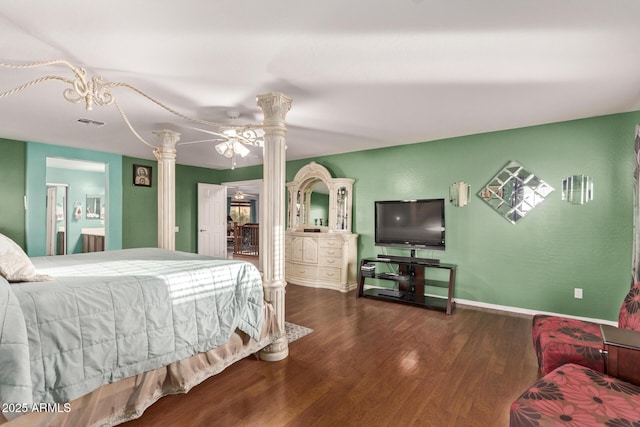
[[212, 220]]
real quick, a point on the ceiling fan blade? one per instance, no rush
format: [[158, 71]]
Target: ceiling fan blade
[[208, 131], [201, 140]]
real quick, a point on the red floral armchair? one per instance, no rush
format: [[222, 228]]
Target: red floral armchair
[[573, 395], [559, 340]]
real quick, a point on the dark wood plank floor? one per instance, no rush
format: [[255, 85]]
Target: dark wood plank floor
[[369, 363]]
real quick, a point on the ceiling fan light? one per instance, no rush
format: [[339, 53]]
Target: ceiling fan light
[[224, 149], [240, 149]]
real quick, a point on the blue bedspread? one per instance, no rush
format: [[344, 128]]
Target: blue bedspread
[[111, 315]]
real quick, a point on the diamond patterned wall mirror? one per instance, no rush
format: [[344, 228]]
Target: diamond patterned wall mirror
[[514, 192]]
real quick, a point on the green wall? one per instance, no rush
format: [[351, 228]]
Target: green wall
[[532, 265], [241, 174], [140, 205], [187, 179], [537, 263], [12, 190]]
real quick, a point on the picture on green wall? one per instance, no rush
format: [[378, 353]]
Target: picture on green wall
[[142, 175]]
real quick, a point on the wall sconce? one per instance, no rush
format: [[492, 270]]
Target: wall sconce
[[577, 189], [459, 194]]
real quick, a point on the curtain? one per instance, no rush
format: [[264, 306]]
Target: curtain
[[635, 266]]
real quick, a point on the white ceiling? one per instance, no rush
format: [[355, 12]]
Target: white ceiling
[[362, 74]]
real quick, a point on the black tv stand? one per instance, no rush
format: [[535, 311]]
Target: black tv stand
[[409, 259], [410, 282]]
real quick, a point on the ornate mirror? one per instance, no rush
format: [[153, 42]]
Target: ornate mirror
[[318, 202]]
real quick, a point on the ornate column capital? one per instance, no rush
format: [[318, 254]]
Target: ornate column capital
[[274, 106], [168, 140]]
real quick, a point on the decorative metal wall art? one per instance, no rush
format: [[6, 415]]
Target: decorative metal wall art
[[577, 189], [514, 192], [459, 194]]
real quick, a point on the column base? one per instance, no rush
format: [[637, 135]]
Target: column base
[[277, 350]]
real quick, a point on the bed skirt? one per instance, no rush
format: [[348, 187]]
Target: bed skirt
[[127, 399]]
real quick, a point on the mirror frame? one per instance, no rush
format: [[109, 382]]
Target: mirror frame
[[299, 200]]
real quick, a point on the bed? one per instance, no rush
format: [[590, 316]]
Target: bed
[[102, 336]]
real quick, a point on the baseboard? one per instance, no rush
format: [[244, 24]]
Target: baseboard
[[526, 312]]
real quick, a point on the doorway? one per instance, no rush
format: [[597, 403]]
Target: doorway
[[243, 210], [77, 201]]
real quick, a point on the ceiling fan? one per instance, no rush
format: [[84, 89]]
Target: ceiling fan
[[234, 139]]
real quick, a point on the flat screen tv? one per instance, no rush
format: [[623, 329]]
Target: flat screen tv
[[414, 224]]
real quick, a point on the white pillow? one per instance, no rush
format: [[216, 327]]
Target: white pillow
[[15, 265]]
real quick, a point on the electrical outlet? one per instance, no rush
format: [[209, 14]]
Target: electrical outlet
[[577, 293], [177, 229]]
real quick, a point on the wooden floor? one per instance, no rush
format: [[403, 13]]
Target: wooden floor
[[369, 363]]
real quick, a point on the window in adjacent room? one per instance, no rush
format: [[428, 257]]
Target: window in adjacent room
[[240, 212]]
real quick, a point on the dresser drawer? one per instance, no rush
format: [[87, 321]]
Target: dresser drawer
[[330, 243], [330, 273], [330, 260], [301, 270], [329, 252]]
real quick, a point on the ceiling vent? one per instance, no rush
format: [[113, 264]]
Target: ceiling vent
[[91, 123]]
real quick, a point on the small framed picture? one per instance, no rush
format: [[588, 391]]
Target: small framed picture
[[142, 175]]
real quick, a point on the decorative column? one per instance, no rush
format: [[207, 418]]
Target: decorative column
[[166, 155], [275, 107]]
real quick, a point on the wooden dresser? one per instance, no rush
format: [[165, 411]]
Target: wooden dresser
[[322, 260]]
